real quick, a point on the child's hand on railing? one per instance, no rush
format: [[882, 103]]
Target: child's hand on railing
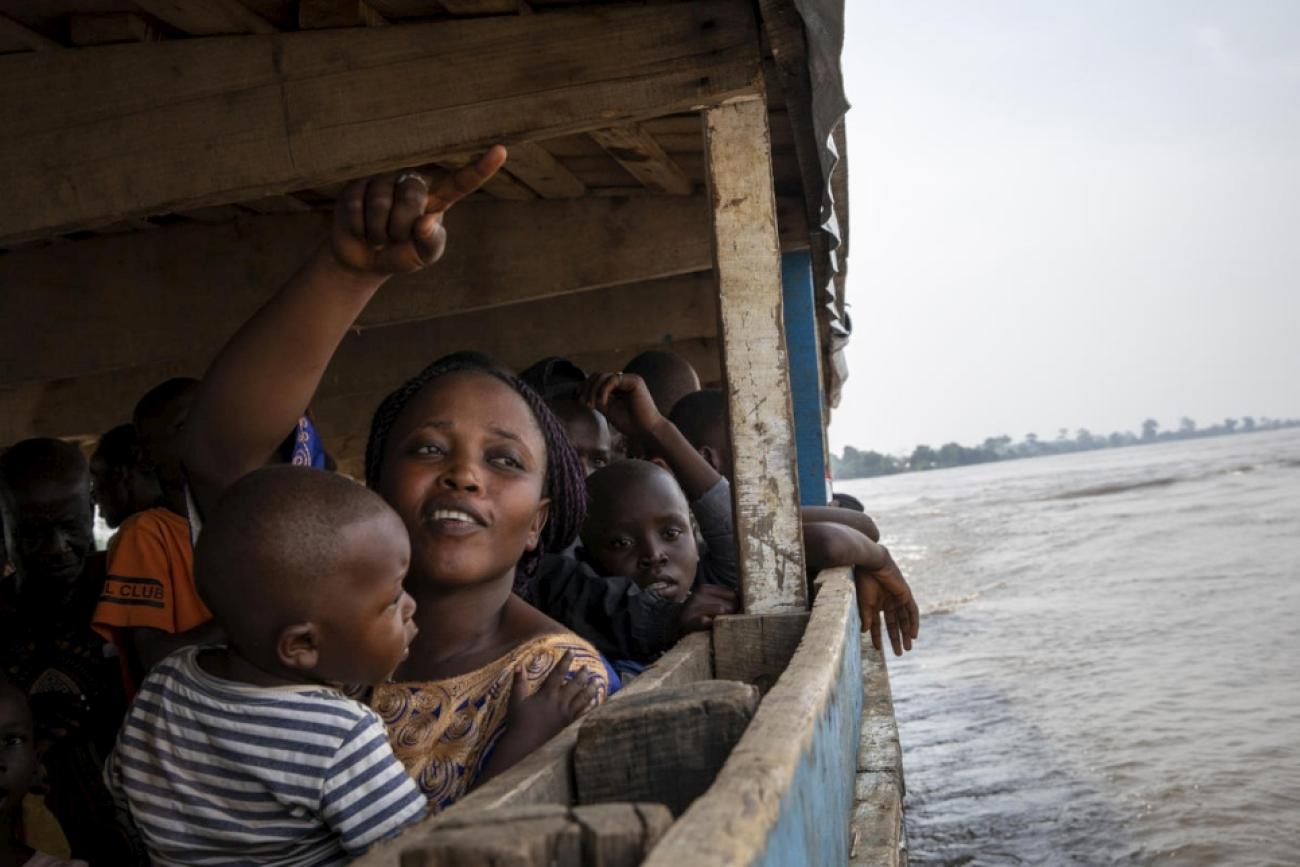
[[703, 605]]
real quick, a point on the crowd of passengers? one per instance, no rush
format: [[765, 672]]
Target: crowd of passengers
[[273, 663]]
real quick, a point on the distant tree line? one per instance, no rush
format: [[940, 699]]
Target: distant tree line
[[855, 464]]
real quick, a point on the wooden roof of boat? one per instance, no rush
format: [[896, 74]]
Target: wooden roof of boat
[[167, 163]]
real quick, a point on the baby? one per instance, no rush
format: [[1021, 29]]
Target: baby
[[250, 751]]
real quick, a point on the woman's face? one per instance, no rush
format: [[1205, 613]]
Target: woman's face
[[465, 466]]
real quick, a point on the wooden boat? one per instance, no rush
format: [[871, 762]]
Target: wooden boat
[[672, 182]]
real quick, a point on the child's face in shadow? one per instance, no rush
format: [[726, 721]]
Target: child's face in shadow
[[588, 433], [17, 749], [364, 621], [464, 467], [645, 534]]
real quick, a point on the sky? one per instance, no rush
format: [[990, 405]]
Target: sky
[[1069, 215]]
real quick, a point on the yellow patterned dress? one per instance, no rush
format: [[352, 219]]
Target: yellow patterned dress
[[444, 730]]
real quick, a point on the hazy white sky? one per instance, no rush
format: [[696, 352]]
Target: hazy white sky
[[1071, 215]]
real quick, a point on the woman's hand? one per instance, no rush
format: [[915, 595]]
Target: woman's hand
[[885, 591], [392, 223], [532, 720]]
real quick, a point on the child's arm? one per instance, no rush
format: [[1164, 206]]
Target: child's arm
[[533, 720], [626, 402], [712, 512], [835, 515], [879, 582], [621, 619], [261, 382]]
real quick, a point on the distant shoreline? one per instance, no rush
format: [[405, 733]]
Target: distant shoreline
[[856, 464]]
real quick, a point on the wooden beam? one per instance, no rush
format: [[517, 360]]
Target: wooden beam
[[130, 130], [747, 261], [480, 7], [321, 14], [372, 362], [181, 290], [20, 37], [110, 28], [207, 17], [499, 186], [638, 152], [534, 165], [663, 747]]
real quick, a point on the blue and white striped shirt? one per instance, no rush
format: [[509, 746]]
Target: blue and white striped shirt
[[218, 772]]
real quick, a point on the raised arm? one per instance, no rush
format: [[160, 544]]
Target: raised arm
[[626, 402], [264, 378]]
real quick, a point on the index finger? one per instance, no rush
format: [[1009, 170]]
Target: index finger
[[465, 180]]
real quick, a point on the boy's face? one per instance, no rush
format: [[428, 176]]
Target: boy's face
[[162, 437], [17, 749], [365, 625], [645, 533], [588, 433], [49, 530]]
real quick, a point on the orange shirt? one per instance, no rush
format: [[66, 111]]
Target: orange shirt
[[150, 578]]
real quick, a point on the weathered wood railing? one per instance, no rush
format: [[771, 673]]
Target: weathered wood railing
[[815, 778]]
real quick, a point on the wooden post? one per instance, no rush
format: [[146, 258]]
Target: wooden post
[[747, 261]]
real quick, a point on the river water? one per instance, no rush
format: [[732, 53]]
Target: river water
[[1109, 662]]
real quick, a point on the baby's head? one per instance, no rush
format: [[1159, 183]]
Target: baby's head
[[304, 569], [17, 749], [639, 524]]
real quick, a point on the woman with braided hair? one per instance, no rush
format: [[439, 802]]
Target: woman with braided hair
[[470, 458]]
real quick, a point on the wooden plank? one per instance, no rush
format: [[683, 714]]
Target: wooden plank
[[480, 7], [664, 746], [500, 186], [600, 835], [876, 824], [747, 261], [620, 835], [114, 307], [277, 205], [395, 9], [207, 17], [638, 152], [533, 165], [546, 775], [756, 648], [321, 14], [114, 310], [786, 792], [19, 37], [372, 362], [103, 135], [554, 841], [110, 28]]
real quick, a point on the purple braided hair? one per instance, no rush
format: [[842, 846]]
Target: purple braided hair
[[565, 482]]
